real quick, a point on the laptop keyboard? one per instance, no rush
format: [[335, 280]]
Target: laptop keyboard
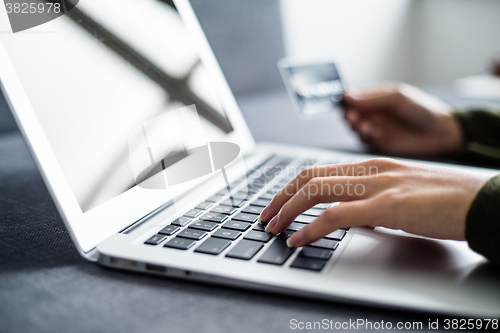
[[229, 221]]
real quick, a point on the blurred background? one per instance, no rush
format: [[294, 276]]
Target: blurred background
[[426, 42], [446, 47]]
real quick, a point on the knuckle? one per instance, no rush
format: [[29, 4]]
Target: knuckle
[[316, 181], [384, 162], [400, 89], [307, 172]]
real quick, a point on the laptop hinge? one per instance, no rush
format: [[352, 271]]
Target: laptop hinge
[[137, 223]]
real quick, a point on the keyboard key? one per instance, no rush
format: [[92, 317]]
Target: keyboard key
[[336, 235], [236, 225], [214, 217], [263, 175], [289, 177], [245, 217], [308, 263], [227, 234], [277, 253], [204, 205], [193, 213], [261, 202], [224, 191], [262, 164], [325, 243], [181, 221], [287, 160], [214, 198], [245, 249], [282, 184], [253, 210], [213, 246], [309, 162], [271, 173], [223, 210], [263, 178], [242, 195], [267, 196], [169, 230], [203, 225], [285, 234], [233, 202], [305, 219], [192, 234], [180, 243], [296, 226], [317, 253], [322, 205], [155, 239], [258, 183], [259, 227], [258, 236], [236, 182], [313, 212], [253, 190]]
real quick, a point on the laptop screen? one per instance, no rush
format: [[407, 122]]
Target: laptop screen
[[120, 92]]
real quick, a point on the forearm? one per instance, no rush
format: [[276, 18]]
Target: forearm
[[483, 221]]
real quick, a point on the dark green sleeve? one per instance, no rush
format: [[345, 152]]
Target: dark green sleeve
[[482, 229], [481, 131]]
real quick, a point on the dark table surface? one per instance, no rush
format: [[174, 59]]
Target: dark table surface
[[45, 286]]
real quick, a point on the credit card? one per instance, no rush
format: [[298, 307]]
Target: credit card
[[315, 88]]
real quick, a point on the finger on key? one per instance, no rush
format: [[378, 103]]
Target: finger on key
[[293, 187], [319, 190], [347, 214]]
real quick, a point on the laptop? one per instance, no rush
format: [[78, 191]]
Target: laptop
[[153, 169]]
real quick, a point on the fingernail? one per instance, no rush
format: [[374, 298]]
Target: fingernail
[[263, 214], [271, 224], [294, 240]]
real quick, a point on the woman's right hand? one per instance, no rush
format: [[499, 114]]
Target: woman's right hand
[[403, 120]]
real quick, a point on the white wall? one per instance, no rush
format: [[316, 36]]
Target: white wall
[[457, 38], [429, 42]]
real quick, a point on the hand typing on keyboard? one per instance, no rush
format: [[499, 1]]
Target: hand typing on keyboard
[[424, 200]]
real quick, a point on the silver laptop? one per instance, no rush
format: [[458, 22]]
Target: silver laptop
[[153, 169]]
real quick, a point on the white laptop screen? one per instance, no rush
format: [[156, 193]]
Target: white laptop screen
[[120, 92]]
